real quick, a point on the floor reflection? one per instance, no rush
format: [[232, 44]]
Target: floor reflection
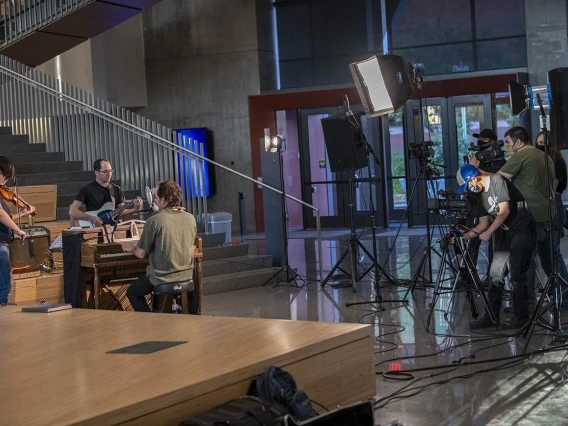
[[528, 392]]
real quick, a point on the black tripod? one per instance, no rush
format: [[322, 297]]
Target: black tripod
[[285, 274], [468, 270], [554, 279], [423, 273]]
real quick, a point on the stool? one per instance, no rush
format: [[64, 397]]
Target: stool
[[176, 290]]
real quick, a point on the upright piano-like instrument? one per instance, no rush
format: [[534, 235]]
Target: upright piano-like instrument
[[107, 270]]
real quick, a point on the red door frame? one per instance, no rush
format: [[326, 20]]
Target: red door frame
[[262, 111]]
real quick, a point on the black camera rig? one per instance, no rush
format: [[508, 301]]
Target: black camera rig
[[490, 155]]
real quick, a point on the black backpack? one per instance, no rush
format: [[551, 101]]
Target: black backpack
[[276, 386], [245, 411]]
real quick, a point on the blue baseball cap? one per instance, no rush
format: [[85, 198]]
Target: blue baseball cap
[[464, 175]]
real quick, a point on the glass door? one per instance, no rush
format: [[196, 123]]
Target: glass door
[[430, 127], [467, 115]]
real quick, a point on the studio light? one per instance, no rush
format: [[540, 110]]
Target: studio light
[[554, 97], [274, 143], [384, 82], [523, 97]]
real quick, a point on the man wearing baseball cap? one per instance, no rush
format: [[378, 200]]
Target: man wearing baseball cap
[[503, 207], [485, 136]]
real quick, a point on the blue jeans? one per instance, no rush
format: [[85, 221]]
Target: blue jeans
[[5, 274]]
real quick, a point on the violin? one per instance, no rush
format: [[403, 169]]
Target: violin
[[9, 195]]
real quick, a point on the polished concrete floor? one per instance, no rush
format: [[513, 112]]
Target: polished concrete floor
[[518, 391]]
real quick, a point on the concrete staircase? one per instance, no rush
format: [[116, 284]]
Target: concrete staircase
[[229, 268], [36, 166]]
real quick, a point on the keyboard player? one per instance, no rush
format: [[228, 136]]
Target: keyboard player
[[167, 241]]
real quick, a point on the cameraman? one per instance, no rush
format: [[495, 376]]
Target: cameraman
[[505, 204], [485, 143], [527, 170]]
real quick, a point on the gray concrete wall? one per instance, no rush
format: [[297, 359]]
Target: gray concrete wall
[[110, 65], [203, 60], [547, 42]]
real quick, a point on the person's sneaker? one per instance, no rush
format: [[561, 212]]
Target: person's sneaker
[[515, 323], [483, 322]]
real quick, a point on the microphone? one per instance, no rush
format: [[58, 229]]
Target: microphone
[[150, 199]]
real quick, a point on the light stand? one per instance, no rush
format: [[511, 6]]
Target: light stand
[[285, 274], [378, 270], [554, 278]]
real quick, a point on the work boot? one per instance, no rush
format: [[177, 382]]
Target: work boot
[[515, 323], [495, 297]]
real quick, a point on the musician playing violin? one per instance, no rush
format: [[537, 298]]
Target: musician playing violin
[[8, 230]]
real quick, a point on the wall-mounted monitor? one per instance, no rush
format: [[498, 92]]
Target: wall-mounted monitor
[[188, 177]]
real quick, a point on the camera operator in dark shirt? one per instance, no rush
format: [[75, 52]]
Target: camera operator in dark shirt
[[490, 161], [506, 206]]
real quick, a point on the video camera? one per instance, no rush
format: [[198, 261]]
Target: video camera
[[421, 150], [490, 155], [450, 206]]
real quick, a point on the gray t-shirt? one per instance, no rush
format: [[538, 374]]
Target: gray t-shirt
[[168, 239]]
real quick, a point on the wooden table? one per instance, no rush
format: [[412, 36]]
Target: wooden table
[[55, 368]]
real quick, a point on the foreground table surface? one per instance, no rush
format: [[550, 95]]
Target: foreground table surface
[[55, 368]]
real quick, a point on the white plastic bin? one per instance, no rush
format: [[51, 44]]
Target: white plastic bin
[[221, 222]]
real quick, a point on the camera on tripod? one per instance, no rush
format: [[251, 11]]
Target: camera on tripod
[[490, 155], [449, 205], [421, 150]]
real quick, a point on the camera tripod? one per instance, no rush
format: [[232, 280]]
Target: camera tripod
[[465, 269]]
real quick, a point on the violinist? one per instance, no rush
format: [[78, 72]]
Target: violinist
[[8, 228]]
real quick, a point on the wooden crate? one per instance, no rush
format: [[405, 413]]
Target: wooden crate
[[31, 291], [43, 198]]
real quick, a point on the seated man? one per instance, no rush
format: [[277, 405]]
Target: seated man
[[505, 204], [167, 240], [99, 192]]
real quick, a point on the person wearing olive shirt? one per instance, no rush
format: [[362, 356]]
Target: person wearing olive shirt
[[527, 170]]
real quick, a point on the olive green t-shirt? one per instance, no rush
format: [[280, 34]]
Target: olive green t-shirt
[[529, 177], [168, 239]]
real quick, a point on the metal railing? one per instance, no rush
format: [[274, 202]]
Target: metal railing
[[18, 18], [70, 120]]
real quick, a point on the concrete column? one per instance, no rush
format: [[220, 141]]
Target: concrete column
[[547, 46], [203, 59]]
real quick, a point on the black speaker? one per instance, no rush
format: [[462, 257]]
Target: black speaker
[[344, 143], [558, 79]]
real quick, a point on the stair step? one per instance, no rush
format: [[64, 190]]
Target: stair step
[[229, 265], [215, 253], [55, 167], [5, 130], [37, 157], [72, 188], [212, 240], [22, 148], [13, 139], [53, 178], [236, 280]]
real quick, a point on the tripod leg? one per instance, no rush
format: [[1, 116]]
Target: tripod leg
[[353, 265], [324, 282], [436, 293], [385, 273]]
